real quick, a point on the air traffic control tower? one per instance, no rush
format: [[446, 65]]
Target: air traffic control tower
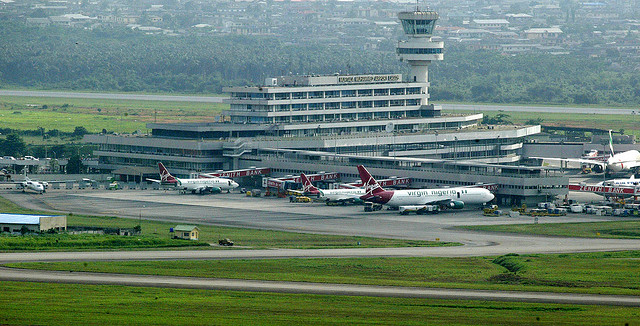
[[419, 50]]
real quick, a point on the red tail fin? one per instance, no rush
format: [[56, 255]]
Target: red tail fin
[[370, 184], [165, 176], [307, 186]]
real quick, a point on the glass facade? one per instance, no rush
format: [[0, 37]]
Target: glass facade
[[418, 26]]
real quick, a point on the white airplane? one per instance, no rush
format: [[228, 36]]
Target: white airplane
[[630, 182], [621, 162], [455, 198], [331, 195], [196, 186], [37, 186]]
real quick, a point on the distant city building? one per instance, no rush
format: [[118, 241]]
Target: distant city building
[[489, 23]]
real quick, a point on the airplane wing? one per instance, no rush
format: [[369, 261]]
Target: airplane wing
[[447, 203], [348, 186], [347, 198], [437, 202], [578, 160], [154, 180]]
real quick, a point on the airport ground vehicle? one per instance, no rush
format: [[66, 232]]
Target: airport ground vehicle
[[370, 207], [419, 209], [225, 242], [299, 199], [491, 211]]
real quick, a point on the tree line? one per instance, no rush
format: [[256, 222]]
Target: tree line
[[119, 59]]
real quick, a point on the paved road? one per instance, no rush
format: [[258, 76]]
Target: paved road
[[115, 96], [8, 274], [212, 99], [527, 108]]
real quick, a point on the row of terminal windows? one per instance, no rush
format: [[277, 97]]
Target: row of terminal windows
[[325, 106], [327, 94], [327, 117], [157, 150], [419, 50], [194, 166]]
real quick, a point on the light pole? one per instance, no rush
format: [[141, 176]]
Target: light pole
[[455, 148], [140, 217], [436, 143]]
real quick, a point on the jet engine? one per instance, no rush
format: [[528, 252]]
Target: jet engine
[[597, 168], [455, 204]]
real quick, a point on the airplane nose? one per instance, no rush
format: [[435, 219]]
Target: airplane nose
[[490, 196]]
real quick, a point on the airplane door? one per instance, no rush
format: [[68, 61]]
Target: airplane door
[[458, 193]]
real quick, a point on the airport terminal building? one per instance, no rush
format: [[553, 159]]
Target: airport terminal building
[[311, 123]]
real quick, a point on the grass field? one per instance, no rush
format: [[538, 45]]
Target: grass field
[[252, 238], [65, 304], [615, 230], [122, 116], [603, 121], [596, 273], [126, 116]]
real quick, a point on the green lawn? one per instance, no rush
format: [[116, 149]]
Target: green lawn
[[122, 116], [65, 304], [614, 122], [598, 273], [614, 230]]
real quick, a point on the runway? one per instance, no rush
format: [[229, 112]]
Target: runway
[[115, 96]]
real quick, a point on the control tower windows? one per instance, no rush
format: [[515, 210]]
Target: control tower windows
[[419, 50], [418, 26]]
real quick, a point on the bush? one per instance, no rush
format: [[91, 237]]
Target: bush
[[511, 262]]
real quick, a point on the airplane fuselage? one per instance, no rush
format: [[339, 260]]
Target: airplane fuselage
[[468, 196], [631, 182], [624, 161], [340, 194], [34, 186], [208, 183]]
